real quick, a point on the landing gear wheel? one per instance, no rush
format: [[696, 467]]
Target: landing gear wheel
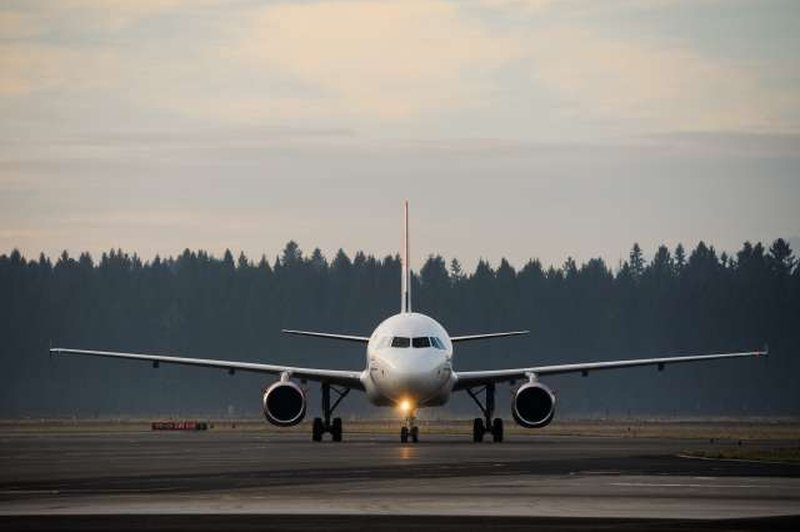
[[497, 430], [404, 435], [477, 430], [317, 428], [336, 429], [414, 434], [334, 426]]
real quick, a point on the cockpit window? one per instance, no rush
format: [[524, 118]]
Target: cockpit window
[[421, 341], [401, 341], [417, 342]]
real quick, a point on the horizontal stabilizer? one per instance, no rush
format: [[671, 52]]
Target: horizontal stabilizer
[[471, 337], [346, 337]]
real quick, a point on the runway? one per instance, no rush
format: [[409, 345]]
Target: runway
[[529, 480]]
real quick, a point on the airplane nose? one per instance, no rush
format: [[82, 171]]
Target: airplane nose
[[419, 375], [417, 365]]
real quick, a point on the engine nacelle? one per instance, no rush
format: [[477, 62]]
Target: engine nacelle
[[533, 406], [284, 404]]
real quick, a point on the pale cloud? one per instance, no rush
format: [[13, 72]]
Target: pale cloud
[[729, 144], [34, 67], [16, 25], [516, 5], [396, 61], [389, 59], [37, 17], [650, 87], [377, 66], [82, 45], [116, 15]]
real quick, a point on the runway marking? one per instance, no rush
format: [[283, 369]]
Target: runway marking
[[746, 461], [29, 492], [679, 485]]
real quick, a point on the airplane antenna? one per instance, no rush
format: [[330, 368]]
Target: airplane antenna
[[405, 303]]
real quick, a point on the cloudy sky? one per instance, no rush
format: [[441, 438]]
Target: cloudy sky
[[515, 128]]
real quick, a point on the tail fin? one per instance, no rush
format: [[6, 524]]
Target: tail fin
[[405, 302]]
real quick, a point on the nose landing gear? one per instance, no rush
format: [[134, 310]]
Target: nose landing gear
[[480, 427], [409, 430], [320, 426]]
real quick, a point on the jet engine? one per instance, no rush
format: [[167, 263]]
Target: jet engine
[[533, 405], [284, 404]]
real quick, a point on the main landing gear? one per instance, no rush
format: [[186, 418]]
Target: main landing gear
[[487, 424], [409, 430], [322, 425]]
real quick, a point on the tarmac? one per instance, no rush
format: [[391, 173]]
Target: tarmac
[[268, 480]]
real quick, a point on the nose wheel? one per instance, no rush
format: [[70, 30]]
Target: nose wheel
[[486, 425], [409, 431]]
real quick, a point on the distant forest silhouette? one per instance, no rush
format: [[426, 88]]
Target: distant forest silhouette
[[678, 302]]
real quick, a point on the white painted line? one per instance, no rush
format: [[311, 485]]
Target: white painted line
[[679, 485], [690, 457], [29, 492]]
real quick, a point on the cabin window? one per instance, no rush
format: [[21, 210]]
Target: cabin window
[[401, 341], [421, 341]]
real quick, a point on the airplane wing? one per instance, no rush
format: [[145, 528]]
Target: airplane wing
[[347, 337], [348, 379], [468, 379], [471, 337]]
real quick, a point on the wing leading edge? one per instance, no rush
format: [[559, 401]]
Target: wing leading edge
[[348, 379], [467, 379]]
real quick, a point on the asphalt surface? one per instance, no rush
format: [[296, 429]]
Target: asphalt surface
[[163, 480]]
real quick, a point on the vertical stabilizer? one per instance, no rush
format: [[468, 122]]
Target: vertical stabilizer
[[405, 303]]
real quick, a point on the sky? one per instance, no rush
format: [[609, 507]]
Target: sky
[[518, 129]]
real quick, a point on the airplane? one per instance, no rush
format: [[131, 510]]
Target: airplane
[[409, 365]]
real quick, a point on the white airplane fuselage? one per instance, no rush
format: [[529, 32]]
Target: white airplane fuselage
[[409, 361]]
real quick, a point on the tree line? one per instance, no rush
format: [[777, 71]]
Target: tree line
[[676, 302]]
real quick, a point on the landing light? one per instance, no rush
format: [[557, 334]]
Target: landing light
[[405, 405]]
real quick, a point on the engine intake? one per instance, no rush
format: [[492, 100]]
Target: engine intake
[[533, 406], [284, 404]]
